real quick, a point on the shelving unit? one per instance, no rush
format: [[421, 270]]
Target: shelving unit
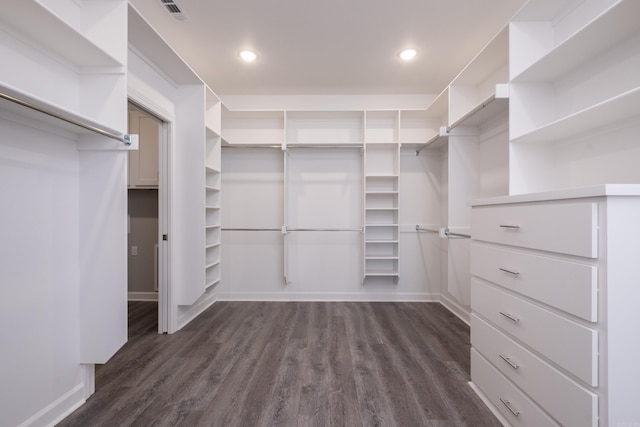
[[212, 190], [63, 80], [64, 56], [575, 101], [381, 193]]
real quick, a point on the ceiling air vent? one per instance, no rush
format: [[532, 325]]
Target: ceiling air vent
[[174, 10]]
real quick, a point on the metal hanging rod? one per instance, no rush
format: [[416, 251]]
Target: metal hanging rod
[[251, 229], [428, 230], [324, 229], [245, 146], [324, 146], [461, 235], [122, 138], [479, 107]]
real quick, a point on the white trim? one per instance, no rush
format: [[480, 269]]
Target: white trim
[[59, 409], [320, 296], [460, 311], [186, 313], [142, 296], [89, 379]]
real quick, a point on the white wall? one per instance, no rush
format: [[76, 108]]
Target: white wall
[[324, 190]]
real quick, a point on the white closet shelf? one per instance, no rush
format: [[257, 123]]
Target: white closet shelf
[[212, 283], [209, 188], [209, 227], [211, 132], [614, 25], [382, 209], [213, 264], [381, 273], [438, 140], [382, 225], [212, 245], [381, 191], [382, 257], [374, 145], [325, 144], [381, 176], [248, 145], [381, 241], [211, 169], [57, 36], [612, 110], [212, 207], [494, 105]]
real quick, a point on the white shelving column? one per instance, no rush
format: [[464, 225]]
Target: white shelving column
[[212, 191], [381, 193]]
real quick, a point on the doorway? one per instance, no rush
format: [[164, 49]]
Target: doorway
[[146, 254]]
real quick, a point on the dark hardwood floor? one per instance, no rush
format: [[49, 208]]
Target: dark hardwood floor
[[291, 364]]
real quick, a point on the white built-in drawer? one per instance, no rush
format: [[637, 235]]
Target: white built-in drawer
[[514, 405], [568, 286], [569, 344], [539, 380], [564, 228]]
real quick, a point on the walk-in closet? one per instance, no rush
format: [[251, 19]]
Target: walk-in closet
[[332, 233]]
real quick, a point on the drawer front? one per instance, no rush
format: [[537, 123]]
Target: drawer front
[[514, 405], [578, 406], [568, 286], [570, 345], [562, 228]]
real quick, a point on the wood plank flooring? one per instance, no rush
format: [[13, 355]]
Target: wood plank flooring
[[291, 364]]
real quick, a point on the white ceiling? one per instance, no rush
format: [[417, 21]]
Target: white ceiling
[[329, 46]]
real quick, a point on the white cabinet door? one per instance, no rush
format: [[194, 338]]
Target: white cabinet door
[[143, 164]]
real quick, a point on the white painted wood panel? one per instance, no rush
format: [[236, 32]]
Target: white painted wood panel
[[566, 285], [564, 228], [572, 346], [577, 407], [500, 392]]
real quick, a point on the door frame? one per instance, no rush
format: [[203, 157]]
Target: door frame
[[164, 162]]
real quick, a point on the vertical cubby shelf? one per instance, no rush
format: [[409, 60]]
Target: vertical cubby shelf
[[212, 190], [381, 191], [574, 98]]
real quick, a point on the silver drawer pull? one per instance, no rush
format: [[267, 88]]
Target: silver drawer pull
[[510, 316], [509, 407], [510, 227], [515, 273], [511, 363]]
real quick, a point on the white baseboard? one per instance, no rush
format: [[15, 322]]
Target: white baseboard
[[320, 296], [59, 409], [142, 296], [460, 311]]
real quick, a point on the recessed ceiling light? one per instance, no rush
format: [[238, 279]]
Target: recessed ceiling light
[[408, 54], [248, 56]]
